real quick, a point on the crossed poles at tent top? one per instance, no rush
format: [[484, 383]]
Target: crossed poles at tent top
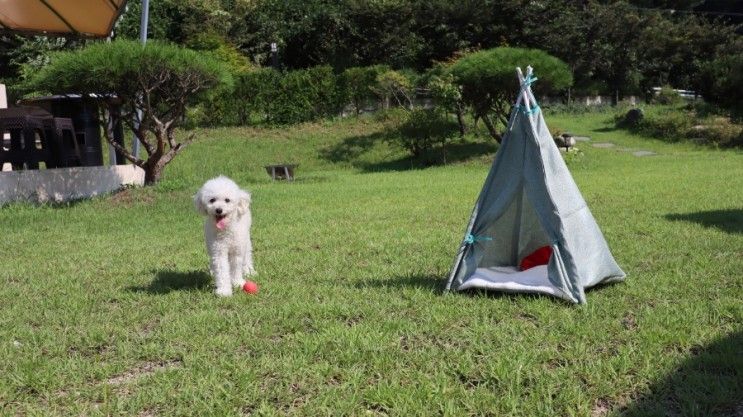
[[525, 95]]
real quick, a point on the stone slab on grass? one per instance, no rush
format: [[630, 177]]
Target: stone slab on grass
[[603, 145]]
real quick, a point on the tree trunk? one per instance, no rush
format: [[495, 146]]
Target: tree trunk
[[491, 128], [152, 173], [460, 120]]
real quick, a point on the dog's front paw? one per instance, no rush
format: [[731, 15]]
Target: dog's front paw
[[223, 292], [238, 283], [250, 271]]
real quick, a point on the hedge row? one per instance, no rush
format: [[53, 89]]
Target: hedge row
[[269, 96]]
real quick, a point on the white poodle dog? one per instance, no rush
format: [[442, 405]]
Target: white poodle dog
[[227, 232]]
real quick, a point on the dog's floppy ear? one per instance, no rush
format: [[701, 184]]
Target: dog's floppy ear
[[243, 204], [198, 203]]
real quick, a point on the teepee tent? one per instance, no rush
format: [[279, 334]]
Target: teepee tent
[[531, 205]]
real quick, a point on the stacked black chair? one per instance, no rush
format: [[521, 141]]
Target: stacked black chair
[[66, 148], [29, 142]]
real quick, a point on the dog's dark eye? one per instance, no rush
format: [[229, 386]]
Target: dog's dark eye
[[226, 200], [212, 200]]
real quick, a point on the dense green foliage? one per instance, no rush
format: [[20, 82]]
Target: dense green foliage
[[420, 130], [616, 47], [358, 84], [159, 80], [724, 82], [682, 122], [289, 97]]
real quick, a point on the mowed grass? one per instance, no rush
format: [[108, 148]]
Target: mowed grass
[[106, 305]]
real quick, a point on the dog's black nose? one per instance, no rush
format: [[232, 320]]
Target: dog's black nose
[[219, 211]]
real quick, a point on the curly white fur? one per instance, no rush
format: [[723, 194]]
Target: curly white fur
[[227, 232]]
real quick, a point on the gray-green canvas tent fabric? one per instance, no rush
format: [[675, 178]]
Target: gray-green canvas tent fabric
[[530, 200]]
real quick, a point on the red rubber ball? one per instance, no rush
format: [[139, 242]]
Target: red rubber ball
[[250, 287]]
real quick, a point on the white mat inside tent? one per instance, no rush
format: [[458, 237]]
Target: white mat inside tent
[[508, 278]]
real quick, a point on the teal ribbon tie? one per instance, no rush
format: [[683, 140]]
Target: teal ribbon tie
[[470, 238], [524, 110], [528, 81]]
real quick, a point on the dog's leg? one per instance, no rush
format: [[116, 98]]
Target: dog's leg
[[236, 270], [220, 267], [248, 268]]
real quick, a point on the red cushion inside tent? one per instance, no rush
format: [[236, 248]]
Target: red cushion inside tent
[[540, 256]]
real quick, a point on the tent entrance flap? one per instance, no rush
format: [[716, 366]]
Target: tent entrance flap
[[508, 278], [516, 233]]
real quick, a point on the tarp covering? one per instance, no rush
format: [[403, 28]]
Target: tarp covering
[[86, 18], [530, 201]]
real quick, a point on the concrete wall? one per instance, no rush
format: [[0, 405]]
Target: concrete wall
[[65, 184], [3, 97]]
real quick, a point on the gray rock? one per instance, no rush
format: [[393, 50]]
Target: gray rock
[[633, 117]]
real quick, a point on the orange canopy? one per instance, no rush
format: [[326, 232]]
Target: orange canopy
[[88, 18]]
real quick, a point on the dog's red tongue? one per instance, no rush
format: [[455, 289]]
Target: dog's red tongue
[[221, 223]]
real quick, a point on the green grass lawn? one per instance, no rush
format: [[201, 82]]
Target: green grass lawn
[[106, 305]]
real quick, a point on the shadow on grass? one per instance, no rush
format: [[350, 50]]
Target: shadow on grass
[[424, 282], [167, 280], [437, 286], [606, 129], [351, 149], [514, 296], [729, 220], [710, 383]]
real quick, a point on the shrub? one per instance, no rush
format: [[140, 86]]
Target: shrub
[[630, 119], [670, 125], [577, 108], [448, 97], [291, 97], [357, 83], [422, 129], [303, 95], [223, 108], [395, 85], [253, 92], [668, 96], [719, 131]]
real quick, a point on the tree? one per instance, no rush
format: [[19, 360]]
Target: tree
[[448, 96], [488, 80], [613, 47], [148, 87], [676, 51], [724, 82], [393, 84], [358, 83]]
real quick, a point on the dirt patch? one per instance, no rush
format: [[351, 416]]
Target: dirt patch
[[601, 408], [629, 322], [143, 370], [128, 197]]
